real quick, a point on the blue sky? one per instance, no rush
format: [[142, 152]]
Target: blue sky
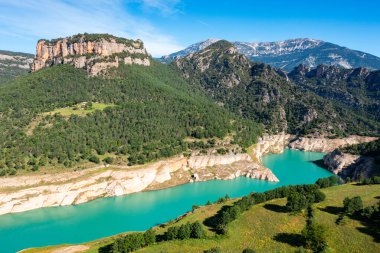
[[170, 25]]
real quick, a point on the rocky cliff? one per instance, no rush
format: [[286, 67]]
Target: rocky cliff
[[320, 144], [94, 52], [348, 165], [271, 144], [24, 193]]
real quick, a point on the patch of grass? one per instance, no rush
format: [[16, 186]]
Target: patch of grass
[[80, 109], [250, 152]]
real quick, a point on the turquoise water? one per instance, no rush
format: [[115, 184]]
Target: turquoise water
[[140, 211]]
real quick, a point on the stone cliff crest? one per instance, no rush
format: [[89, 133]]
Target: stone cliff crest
[[93, 52]]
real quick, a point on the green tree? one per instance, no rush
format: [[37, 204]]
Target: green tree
[[197, 230], [184, 231], [108, 160], [94, 159], [352, 205], [149, 237], [296, 202], [314, 235]]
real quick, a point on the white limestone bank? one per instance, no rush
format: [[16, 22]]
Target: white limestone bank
[[347, 165], [22, 193]]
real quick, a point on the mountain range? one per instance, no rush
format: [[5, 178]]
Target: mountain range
[[288, 54]]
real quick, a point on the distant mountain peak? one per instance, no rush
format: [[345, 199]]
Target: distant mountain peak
[[288, 54]]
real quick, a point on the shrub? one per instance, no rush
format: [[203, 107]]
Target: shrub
[[132, 242], [35, 168], [327, 182], [185, 231], [221, 151], [197, 230], [296, 202], [12, 172], [352, 205], [171, 234], [315, 238], [319, 196], [248, 251], [213, 250], [108, 160], [94, 159], [372, 180], [149, 237], [314, 235]]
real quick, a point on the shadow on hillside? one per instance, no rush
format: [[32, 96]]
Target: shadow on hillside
[[289, 238], [105, 249], [276, 208], [370, 227], [332, 209], [212, 221], [371, 230], [377, 197]]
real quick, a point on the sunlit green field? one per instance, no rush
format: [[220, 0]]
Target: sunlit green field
[[78, 109], [267, 228]]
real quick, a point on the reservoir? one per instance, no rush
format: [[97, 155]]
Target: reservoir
[[140, 211]]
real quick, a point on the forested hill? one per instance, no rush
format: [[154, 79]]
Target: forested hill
[[260, 92], [13, 64], [148, 113], [358, 89]]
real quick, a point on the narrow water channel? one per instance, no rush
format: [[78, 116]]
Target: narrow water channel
[[140, 211]]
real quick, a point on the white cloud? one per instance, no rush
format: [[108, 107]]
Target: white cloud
[[58, 18]]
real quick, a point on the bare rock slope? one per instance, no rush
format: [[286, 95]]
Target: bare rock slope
[[30, 192], [347, 165]]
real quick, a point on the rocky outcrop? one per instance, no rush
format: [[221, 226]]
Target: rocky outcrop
[[226, 167], [19, 194], [197, 162], [271, 144], [326, 144], [348, 165], [94, 52]]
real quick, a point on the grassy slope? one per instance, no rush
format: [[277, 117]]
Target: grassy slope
[[258, 227]]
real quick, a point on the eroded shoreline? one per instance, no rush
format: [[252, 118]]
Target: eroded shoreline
[[23, 193]]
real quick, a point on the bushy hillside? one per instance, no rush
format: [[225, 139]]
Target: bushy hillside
[[153, 111], [260, 92], [357, 89], [371, 149], [13, 64]]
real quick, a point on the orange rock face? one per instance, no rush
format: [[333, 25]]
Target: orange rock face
[[65, 51]]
